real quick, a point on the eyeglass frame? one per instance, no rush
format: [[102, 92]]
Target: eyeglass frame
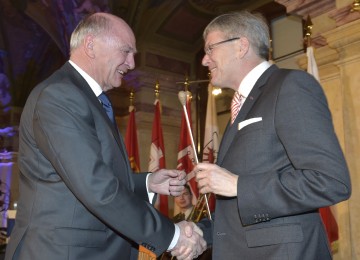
[[210, 47]]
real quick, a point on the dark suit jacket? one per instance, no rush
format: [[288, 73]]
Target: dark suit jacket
[[77, 197], [289, 165]]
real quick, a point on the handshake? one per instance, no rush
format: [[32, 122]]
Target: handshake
[[191, 243]]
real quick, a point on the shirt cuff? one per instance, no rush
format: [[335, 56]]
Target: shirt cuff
[[175, 238], [150, 194]]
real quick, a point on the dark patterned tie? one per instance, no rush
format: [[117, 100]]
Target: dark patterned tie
[[236, 104], [107, 106]]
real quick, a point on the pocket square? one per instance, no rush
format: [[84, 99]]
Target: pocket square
[[248, 122]]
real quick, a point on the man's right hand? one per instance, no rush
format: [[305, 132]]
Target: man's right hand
[[191, 243]]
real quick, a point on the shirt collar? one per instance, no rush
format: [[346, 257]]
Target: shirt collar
[[250, 79], [92, 83]]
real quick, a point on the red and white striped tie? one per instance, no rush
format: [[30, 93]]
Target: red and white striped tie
[[236, 104]]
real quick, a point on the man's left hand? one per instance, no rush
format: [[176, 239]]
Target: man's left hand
[[212, 178]]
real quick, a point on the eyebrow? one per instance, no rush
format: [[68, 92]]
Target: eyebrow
[[128, 49]]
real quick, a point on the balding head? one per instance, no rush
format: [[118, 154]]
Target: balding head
[[95, 24], [103, 45]]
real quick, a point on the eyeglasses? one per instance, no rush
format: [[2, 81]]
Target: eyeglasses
[[208, 49]]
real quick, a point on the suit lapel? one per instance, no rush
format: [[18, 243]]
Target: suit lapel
[[81, 83], [231, 130]]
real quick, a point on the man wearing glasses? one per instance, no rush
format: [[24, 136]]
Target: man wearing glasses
[[279, 160]]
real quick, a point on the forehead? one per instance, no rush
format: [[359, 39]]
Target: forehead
[[214, 36], [124, 33]]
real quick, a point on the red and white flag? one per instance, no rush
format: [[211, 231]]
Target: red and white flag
[[131, 142], [211, 137], [327, 216], [186, 157], [157, 156]]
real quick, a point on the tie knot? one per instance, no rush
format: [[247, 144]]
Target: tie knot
[[107, 106], [236, 98], [104, 99]]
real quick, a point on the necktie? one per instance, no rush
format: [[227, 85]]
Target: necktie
[[107, 106], [236, 104]]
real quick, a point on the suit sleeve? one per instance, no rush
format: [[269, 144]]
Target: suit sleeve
[[81, 149], [314, 172]]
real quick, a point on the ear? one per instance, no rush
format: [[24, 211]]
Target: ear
[[244, 46], [89, 46]]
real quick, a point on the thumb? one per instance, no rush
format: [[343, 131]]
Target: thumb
[[189, 230]]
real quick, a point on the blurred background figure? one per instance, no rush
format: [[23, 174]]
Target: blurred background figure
[[184, 202]]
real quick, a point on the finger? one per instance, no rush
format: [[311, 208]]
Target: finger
[[174, 193], [172, 173], [198, 230], [189, 230], [178, 251], [177, 182], [200, 175], [202, 187], [182, 175], [185, 254], [202, 246]]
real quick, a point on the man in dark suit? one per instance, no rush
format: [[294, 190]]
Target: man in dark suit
[[78, 196], [279, 160]]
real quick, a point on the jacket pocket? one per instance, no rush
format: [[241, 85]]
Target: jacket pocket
[[79, 237], [274, 235]]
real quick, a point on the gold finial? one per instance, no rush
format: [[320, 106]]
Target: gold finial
[[355, 6], [308, 31], [157, 89], [132, 96], [186, 83]]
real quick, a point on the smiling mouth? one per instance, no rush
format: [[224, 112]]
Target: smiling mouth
[[121, 72]]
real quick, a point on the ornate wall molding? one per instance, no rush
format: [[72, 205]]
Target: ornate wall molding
[[344, 15], [344, 36], [307, 7]]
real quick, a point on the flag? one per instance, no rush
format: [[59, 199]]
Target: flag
[[131, 142], [326, 214], [211, 137], [157, 156], [186, 157], [311, 66]]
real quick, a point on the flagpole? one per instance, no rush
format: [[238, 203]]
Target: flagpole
[[183, 98]]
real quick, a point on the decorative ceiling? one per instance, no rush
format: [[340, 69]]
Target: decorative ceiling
[[34, 34]]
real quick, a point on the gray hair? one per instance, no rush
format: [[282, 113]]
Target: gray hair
[[252, 26], [94, 24]]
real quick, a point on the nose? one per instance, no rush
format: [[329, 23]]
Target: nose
[[205, 60], [130, 61]]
